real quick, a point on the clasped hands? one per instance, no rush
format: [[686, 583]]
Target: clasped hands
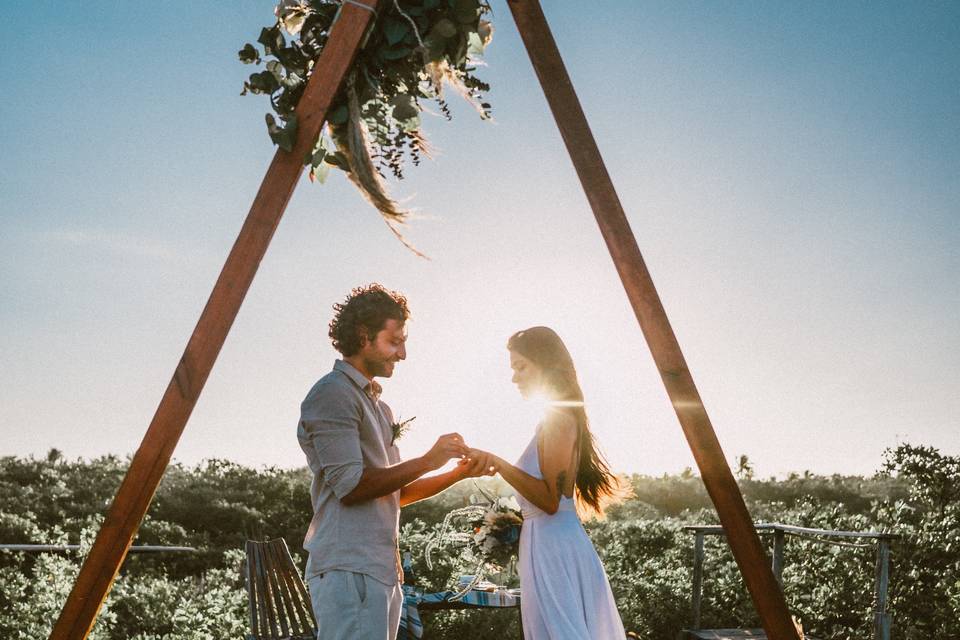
[[472, 463]]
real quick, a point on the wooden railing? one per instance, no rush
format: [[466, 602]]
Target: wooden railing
[[882, 540], [67, 548]]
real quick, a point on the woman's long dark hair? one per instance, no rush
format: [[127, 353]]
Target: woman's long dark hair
[[596, 486]]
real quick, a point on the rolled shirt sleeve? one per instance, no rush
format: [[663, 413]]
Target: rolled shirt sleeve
[[329, 421]]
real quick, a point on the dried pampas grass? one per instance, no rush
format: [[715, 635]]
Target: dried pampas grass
[[442, 73], [364, 175]]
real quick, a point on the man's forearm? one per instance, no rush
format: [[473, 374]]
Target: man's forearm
[[378, 482], [427, 487]]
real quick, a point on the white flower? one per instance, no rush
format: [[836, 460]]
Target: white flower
[[510, 502], [292, 14]]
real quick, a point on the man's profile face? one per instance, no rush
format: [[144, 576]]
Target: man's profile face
[[387, 348]]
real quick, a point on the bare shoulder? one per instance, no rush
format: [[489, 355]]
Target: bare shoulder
[[560, 423]]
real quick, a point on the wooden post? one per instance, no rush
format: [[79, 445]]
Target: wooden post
[[779, 537], [717, 477], [151, 459], [696, 598], [881, 617]]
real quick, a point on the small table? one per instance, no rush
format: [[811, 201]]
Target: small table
[[414, 601]]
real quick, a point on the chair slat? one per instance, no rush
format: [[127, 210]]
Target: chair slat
[[280, 599], [280, 606], [286, 574], [258, 602], [252, 594], [269, 605]]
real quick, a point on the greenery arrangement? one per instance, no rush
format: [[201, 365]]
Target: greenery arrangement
[[217, 505], [414, 50], [491, 541]]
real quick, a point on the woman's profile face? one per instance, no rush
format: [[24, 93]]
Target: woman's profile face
[[526, 375]]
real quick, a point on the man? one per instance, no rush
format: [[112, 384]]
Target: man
[[359, 482]]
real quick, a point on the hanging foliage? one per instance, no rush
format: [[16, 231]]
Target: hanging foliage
[[414, 50]]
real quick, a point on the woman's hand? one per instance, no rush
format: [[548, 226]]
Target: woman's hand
[[478, 463]]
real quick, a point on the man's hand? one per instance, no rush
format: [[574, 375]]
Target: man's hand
[[473, 463], [447, 446], [477, 463]]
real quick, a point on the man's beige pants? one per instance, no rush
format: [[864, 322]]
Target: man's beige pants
[[354, 606]]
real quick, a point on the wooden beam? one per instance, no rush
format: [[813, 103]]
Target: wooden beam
[[151, 459], [719, 481]]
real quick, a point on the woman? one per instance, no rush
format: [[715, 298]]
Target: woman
[[566, 595]]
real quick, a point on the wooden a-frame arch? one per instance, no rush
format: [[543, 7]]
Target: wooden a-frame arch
[[130, 505]]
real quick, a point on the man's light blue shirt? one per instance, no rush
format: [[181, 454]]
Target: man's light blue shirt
[[343, 429]]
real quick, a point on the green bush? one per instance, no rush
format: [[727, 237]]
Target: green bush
[[217, 505]]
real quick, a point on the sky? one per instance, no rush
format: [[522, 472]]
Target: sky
[[791, 172]]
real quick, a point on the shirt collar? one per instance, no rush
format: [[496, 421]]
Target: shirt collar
[[370, 387]]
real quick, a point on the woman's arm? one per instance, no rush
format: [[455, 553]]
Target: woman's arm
[[559, 437]]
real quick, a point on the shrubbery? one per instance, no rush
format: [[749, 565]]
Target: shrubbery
[[217, 505]]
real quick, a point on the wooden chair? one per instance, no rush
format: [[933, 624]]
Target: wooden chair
[[280, 607]]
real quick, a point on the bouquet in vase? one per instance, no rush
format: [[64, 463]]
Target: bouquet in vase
[[488, 536]]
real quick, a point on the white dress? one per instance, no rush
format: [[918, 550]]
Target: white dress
[[566, 595]]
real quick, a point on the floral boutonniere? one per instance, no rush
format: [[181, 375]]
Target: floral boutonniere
[[400, 428]]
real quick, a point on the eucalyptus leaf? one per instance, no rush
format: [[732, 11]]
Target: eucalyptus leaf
[[396, 53], [320, 172], [460, 57], [466, 17], [404, 107], [435, 47], [319, 152], [276, 69], [338, 160], [292, 81], [249, 54], [395, 30], [284, 137], [411, 124], [338, 115], [263, 82], [466, 10], [271, 39], [292, 18], [444, 28], [293, 59], [474, 45]]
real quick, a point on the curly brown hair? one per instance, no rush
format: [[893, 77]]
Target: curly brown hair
[[363, 314]]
